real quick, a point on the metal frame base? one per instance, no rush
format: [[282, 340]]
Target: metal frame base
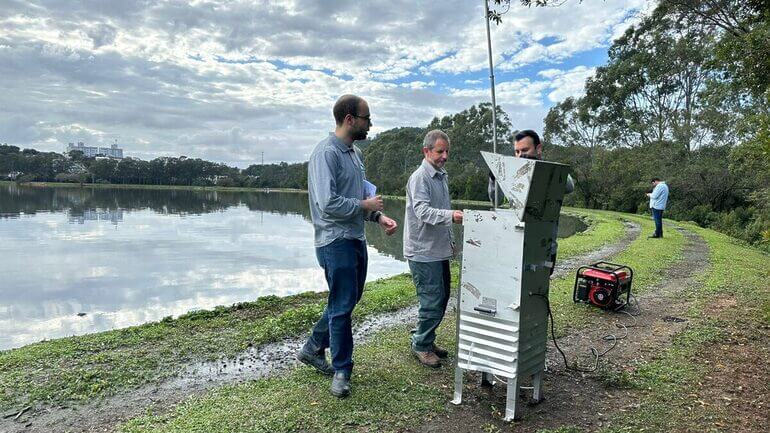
[[511, 392]]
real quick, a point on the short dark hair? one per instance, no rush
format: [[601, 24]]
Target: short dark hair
[[655, 179], [346, 104], [528, 133]]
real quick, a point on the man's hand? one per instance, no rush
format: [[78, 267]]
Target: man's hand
[[372, 204], [648, 194], [457, 217], [388, 225]]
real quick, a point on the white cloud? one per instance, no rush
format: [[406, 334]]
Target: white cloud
[[227, 80], [419, 84], [564, 84]]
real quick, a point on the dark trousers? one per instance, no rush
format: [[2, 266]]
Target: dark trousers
[[657, 215], [344, 263], [432, 282]]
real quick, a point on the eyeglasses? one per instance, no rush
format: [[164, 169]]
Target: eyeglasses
[[368, 117]]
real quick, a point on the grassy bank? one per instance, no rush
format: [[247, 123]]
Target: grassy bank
[[83, 367], [90, 366], [391, 392]]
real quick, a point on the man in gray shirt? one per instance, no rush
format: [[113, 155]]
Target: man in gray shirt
[[338, 208], [428, 243]]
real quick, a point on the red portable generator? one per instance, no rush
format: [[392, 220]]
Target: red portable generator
[[603, 284]]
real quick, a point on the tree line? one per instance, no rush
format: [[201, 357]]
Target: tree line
[[684, 96], [31, 165]]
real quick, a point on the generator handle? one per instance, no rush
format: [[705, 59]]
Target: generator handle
[[614, 271]]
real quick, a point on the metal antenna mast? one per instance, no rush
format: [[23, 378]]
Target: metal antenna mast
[[492, 86]]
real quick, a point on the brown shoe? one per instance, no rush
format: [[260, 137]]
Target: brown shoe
[[428, 359], [440, 352]]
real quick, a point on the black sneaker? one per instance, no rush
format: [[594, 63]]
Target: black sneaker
[[340, 385], [316, 361]]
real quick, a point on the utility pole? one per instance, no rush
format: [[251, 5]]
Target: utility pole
[[492, 85], [263, 157]]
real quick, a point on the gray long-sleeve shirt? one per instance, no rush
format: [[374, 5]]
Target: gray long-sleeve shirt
[[335, 180], [428, 219]]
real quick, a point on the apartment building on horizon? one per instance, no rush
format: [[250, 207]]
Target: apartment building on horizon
[[93, 151]]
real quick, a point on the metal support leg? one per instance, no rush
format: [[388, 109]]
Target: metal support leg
[[537, 382], [458, 386], [510, 402], [487, 379]]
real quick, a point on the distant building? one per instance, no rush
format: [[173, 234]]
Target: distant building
[[93, 151]]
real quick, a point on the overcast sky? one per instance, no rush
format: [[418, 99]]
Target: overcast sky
[[226, 80]]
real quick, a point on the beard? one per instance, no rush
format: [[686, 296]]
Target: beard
[[358, 134]]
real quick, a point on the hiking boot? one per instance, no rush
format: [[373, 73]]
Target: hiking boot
[[440, 352], [317, 361], [340, 385], [428, 359]]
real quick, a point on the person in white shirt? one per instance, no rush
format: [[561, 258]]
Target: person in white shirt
[[658, 200]]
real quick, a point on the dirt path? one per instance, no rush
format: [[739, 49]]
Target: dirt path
[[582, 399], [255, 363]]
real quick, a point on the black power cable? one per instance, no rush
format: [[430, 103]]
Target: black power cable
[[608, 337]]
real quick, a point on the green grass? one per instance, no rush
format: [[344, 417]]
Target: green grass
[[603, 228], [391, 391], [668, 383]]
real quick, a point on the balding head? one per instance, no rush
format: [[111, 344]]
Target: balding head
[[346, 105]]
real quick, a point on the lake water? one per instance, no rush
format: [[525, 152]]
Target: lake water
[[80, 260]]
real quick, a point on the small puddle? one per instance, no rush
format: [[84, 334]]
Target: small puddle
[[276, 358]]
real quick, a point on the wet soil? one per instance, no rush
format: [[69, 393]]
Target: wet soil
[[587, 400]]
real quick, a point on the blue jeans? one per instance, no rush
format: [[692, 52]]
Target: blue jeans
[[432, 282], [344, 263], [657, 215]]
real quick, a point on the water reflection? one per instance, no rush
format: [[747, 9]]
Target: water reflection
[[113, 216], [126, 257], [129, 256]]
